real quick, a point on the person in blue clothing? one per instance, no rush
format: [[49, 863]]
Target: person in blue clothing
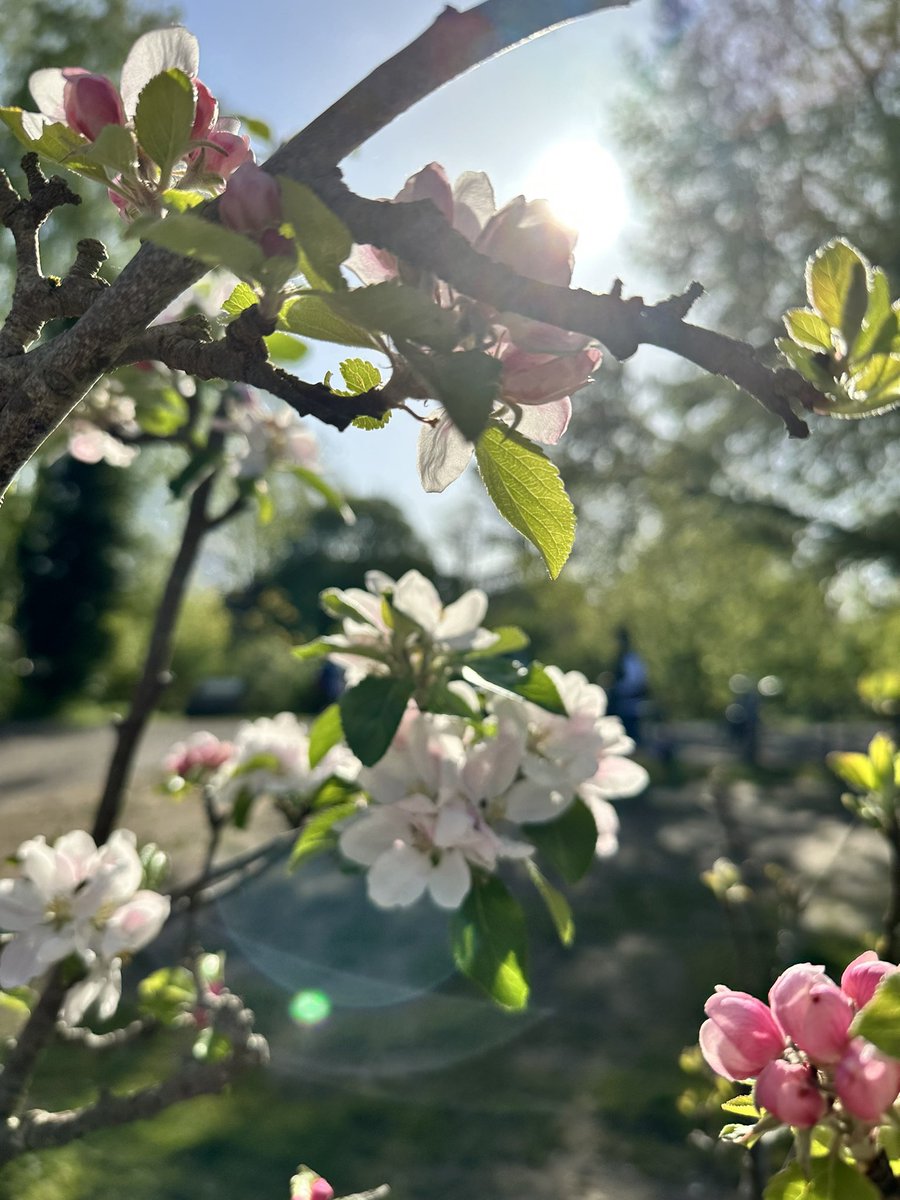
[[630, 688]]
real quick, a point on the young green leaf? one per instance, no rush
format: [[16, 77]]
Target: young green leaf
[[372, 422], [371, 712], [360, 376], [310, 316], [557, 904], [569, 842], [490, 943], [242, 297], [317, 833], [164, 117], [403, 313], [508, 639], [879, 1020], [879, 327], [190, 235], [836, 283], [114, 148], [325, 240], [161, 413], [326, 732], [284, 347], [528, 492], [181, 199], [55, 141], [466, 382], [808, 329]]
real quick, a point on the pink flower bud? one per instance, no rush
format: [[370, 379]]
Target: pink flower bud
[[92, 102], [206, 111], [540, 378], [276, 245], [741, 1035], [527, 237], [863, 976], [231, 151], [813, 1012], [866, 1080], [321, 1190], [251, 203], [789, 1092]]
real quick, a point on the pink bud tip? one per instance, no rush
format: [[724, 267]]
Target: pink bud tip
[[206, 111], [92, 102], [251, 203], [789, 1092], [321, 1190]]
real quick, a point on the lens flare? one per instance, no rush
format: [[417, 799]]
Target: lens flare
[[584, 186], [309, 1007]]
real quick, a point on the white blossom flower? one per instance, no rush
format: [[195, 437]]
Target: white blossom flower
[[271, 756], [74, 897], [270, 437]]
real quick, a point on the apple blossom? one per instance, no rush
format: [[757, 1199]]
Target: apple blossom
[[789, 1092], [866, 1081], [205, 113], [268, 436], [251, 202], [863, 975], [226, 153], [813, 1011], [197, 757], [741, 1035], [76, 897], [91, 102]]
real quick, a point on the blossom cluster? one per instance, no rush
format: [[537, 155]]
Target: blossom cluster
[[799, 1048], [267, 437], [77, 898], [541, 366], [88, 103]]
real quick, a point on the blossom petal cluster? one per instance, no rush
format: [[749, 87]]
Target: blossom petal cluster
[[77, 898], [267, 437], [88, 103], [799, 1048], [268, 756], [541, 366], [373, 640], [448, 798]]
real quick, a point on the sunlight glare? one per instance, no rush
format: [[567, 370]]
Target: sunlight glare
[[584, 186]]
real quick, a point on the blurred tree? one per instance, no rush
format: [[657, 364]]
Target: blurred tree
[[69, 559], [756, 130]]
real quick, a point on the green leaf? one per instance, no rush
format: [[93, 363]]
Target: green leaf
[[255, 126], [882, 754], [742, 1105], [310, 316], [360, 376], [531, 683], [569, 842], [192, 236], [284, 347], [164, 116], [557, 904], [371, 712], [874, 388], [314, 649], [490, 943], [403, 313], [834, 1179], [528, 492], [324, 239], [326, 731], [57, 142], [808, 329], [265, 505], [466, 382], [789, 1184], [855, 769], [330, 495], [114, 148], [508, 639], [836, 279], [879, 1021], [162, 413], [372, 422], [317, 833], [879, 327], [241, 298], [182, 199], [804, 361]]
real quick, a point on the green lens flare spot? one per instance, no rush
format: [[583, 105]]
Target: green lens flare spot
[[309, 1007]]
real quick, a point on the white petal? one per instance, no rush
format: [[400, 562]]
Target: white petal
[[418, 598], [111, 991], [368, 838], [493, 766], [442, 455], [79, 999], [545, 423], [453, 825], [450, 880], [607, 823], [47, 87], [530, 802], [378, 583], [135, 924], [155, 52], [616, 778], [39, 865], [398, 878], [19, 962], [474, 203], [34, 124], [463, 616], [21, 905]]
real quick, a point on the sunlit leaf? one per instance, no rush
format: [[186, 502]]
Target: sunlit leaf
[[490, 943], [164, 116]]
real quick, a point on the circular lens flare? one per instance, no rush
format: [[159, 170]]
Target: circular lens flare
[[309, 1007], [584, 186]]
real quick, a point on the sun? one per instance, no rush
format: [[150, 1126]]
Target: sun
[[585, 188]]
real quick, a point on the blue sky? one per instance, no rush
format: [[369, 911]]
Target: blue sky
[[286, 63]]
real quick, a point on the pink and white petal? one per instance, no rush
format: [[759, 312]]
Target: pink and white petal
[[38, 862], [464, 615], [450, 880], [22, 906], [545, 423], [371, 265], [47, 87], [76, 855], [528, 802], [398, 877], [453, 825], [431, 183], [474, 204], [418, 598], [616, 779], [153, 53], [133, 925], [607, 822], [19, 962], [443, 454]]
